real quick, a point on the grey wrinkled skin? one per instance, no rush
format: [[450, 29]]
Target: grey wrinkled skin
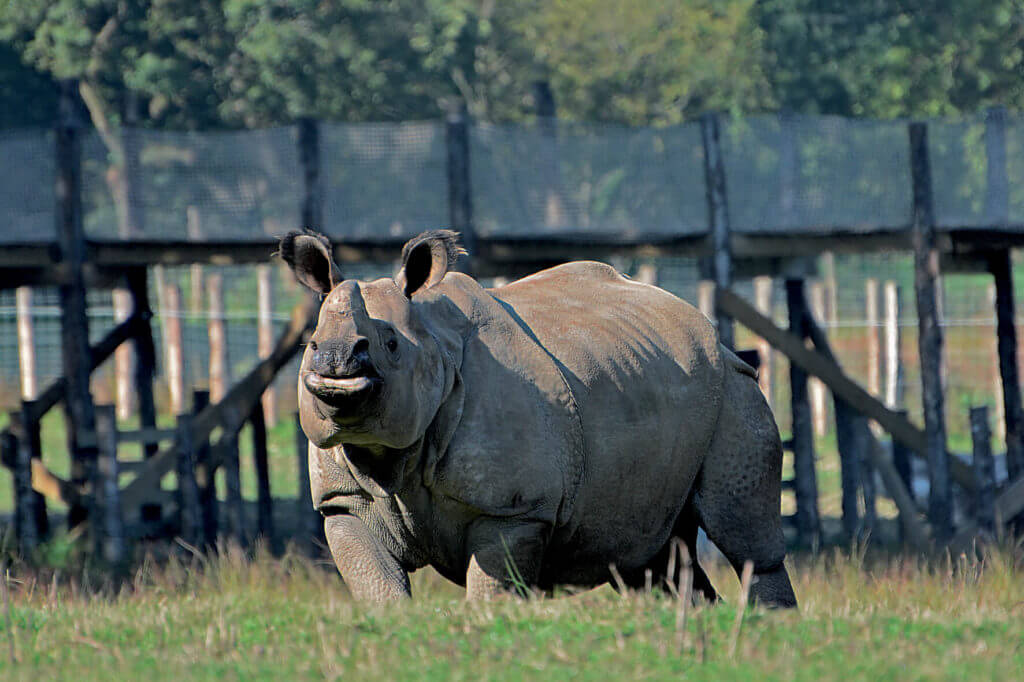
[[529, 435]]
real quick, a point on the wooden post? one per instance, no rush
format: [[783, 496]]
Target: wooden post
[[819, 410], [234, 511], [997, 185], [996, 378], [74, 319], [851, 455], [174, 353], [926, 284], [805, 478], [107, 524], [26, 343], [894, 376], [194, 229], [647, 273], [873, 340], [764, 289], [902, 460], [706, 298], [265, 341], [145, 352], [460, 193], [547, 162], [205, 476], [31, 438], [189, 508], [18, 456], [309, 157], [718, 215], [1006, 333], [218, 337], [264, 502], [309, 518], [867, 476], [124, 359], [984, 470]]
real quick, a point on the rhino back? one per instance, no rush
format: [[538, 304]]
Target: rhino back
[[646, 374]]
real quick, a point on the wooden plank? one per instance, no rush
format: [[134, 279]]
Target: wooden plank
[[205, 475], [805, 485], [234, 511], [19, 454], [914, 531], [107, 520], [264, 501], [148, 436], [217, 331], [230, 412], [174, 352], [124, 359], [190, 511], [718, 218], [984, 470], [1001, 266], [894, 375], [75, 351], [309, 519], [145, 351], [1010, 502], [815, 363], [764, 289], [26, 344], [927, 286], [265, 334]]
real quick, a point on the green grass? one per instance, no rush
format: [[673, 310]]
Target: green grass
[[886, 618]]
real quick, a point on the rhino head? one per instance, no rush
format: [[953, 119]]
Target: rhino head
[[373, 374]]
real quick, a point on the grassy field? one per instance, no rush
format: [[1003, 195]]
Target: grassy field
[[238, 619]]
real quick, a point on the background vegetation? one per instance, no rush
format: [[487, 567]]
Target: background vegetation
[[233, 63]]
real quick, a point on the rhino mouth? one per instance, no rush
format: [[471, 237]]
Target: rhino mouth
[[343, 392]]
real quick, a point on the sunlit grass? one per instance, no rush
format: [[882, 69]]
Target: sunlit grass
[[290, 618]]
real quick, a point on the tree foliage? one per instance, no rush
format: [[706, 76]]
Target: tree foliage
[[205, 63]]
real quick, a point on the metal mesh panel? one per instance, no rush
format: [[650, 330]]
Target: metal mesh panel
[[557, 178], [197, 186], [956, 151], [1015, 168], [790, 173], [27, 186], [383, 179]]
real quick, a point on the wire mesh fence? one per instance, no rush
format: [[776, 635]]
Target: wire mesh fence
[[783, 173], [791, 174]]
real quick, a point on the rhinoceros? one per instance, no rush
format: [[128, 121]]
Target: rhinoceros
[[560, 430]]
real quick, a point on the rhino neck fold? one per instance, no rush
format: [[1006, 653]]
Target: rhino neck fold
[[379, 470]]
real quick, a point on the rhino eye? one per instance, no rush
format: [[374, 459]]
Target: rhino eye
[[391, 345]]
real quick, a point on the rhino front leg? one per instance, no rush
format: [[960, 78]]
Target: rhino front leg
[[371, 573], [504, 557]]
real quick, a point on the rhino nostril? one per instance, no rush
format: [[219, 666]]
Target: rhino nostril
[[312, 345], [361, 346]]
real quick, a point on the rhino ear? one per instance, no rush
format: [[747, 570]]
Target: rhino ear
[[308, 254], [426, 259]]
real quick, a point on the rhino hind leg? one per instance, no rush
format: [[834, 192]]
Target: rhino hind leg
[[738, 489], [685, 529]]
